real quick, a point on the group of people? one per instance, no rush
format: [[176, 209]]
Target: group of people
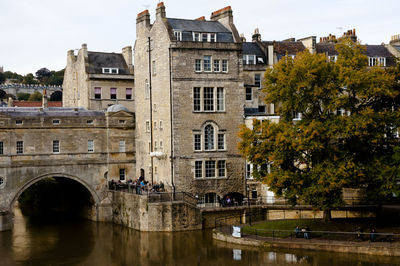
[[372, 234], [140, 185], [302, 232]]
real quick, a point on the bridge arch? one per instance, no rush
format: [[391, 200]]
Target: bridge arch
[[92, 192]]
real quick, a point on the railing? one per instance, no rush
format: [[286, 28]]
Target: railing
[[226, 224]]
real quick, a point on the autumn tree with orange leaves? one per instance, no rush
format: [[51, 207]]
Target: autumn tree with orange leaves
[[346, 137]]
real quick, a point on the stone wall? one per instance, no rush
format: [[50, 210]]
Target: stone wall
[[134, 211]]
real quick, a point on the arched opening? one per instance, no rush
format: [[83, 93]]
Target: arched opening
[[55, 198], [233, 199], [56, 96], [2, 94]]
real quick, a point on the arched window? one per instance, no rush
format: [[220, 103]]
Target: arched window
[[209, 137]]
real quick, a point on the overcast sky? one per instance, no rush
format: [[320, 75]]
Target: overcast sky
[[38, 33]]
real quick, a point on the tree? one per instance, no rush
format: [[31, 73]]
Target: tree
[[23, 96], [29, 79], [344, 138], [36, 96], [43, 75], [2, 78]]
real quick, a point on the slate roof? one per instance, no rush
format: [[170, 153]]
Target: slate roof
[[326, 48], [377, 51], [51, 111], [98, 60], [188, 26], [252, 48], [283, 47]]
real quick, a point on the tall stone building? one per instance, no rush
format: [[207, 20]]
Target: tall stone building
[[190, 94], [96, 80]]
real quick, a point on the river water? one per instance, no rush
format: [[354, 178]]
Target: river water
[[89, 243]]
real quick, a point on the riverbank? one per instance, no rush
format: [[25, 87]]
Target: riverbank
[[368, 248]]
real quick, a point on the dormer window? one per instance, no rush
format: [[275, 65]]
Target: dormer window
[[374, 61], [249, 59], [178, 35], [204, 37], [110, 70]]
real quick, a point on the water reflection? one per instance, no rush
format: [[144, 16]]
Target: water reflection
[[86, 243]]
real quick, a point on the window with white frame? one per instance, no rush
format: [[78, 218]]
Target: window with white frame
[[375, 61], [198, 169], [297, 116], [1, 148], [90, 145], [249, 59], [197, 65], [20, 147], [209, 137], [19, 122], [332, 58], [154, 67], [178, 35], [249, 94], [196, 36], [224, 65], [110, 70], [155, 145], [249, 168], [220, 99], [221, 141], [208, 98], [197, 142], [196, 99], [56, 121], [217, 65], [204, 37], [122, 146], [161, 125], [209, 167], [207, 63], [221, 166], [257, 80], [56, 146]]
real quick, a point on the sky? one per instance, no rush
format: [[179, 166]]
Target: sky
[[36, 34]]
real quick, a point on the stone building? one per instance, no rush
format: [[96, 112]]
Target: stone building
[[96, 80], [394, 45], [190, 94], [90, 147]]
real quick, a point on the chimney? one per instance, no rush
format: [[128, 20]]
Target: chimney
[[203, 18], [84, 49], [10, 102], [143, 16], [242, 37], [71, 56], [395, 40], [44, 99], [225, 17], [256, 36], [127, 54], [160, 11]]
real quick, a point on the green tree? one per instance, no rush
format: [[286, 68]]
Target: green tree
[[2, 78], [22, 96], [344, 139], [29, 79], [36, 96]]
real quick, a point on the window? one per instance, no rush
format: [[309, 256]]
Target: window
[[122, 174], [213, 37], [155, 125], [198, 169], [375, 61], [196, 99], [129, 93], [97, 93], [257, 80], [249, 59], [204, 37], [249, 94], [1, 147], [18, 122], [161, 145], [113, 93], [155, 145], [297, 116], [332, 58], [20, 147], [56, 122], [110, 70], [216, 65], [122, 122], [208, 99], [221, 169], [122, 146], [196, 36], [225, 66], [178, 35], [220, 99], [56, 146], [207, 63], [197, 65], [210, 169], [154, 67], [209, 137], [221, 141], [261, 109], [90, 145], [197, 142], [147, 90], [89, 122], [248, 171], [147, 126], [161, 125]]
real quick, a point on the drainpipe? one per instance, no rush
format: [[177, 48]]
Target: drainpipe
[[151, 112], [171, 116]]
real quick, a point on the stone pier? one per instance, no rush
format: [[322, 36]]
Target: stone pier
[[6, 221]]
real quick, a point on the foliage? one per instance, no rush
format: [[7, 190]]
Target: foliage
[[313, 159], [2, 78], [23, 96], [43, 74], [29, 79], [13, 76], [36, 96]]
